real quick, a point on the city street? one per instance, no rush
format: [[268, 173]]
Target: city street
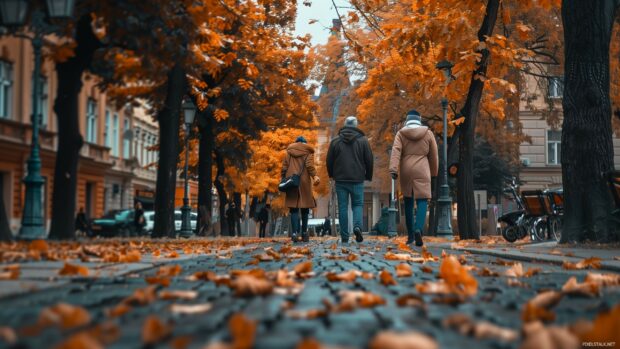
[[189, 294]]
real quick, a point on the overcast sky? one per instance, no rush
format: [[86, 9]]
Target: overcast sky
[[321, 10]]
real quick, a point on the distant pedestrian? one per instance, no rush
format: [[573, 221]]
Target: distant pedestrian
[[327, 226], [299, 160], [263, 219], [414, 156], [81, 223], [138, 218], [349, 163], [232, 217]]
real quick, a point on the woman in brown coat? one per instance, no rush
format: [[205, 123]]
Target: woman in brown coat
[[414, 153], [299, 160]]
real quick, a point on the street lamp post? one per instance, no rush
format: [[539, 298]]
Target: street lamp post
[[13, 15], [189, 111], [444, 203]]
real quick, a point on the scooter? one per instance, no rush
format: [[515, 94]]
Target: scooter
[[514, 227]]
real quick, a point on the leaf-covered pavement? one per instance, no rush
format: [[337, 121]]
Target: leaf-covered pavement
[[272, 294]]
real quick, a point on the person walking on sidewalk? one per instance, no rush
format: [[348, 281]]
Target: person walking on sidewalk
[[299, 160], [263, 219], [138, 219], [349, 163], [232, 217], [414, 157]]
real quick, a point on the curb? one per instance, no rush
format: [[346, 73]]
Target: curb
[[535, 257]]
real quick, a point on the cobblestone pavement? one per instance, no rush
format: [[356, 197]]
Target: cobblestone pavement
[[495, 301]]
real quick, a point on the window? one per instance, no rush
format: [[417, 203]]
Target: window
[[43, 101], [6, 89], [91, 121], [556, 87], [554, 147], [126, 139], [115, 139], [106, 130]]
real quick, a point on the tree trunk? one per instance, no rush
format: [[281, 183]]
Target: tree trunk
[[70, 140], [5, 227], [587, 146], [169, 123], [221, 193], [465, 182], [205, 174]]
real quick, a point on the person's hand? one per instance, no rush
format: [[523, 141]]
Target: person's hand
[[316, 180], [394, 175]]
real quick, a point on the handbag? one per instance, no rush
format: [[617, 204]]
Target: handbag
[[293, 181]]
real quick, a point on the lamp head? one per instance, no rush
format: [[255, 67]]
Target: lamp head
[[58, 9], [446, 67], [13, 12], [189, 111]]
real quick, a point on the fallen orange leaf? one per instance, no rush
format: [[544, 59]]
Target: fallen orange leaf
[[154, 330], [38, 245], [72, 269], [404, 270], [386, 278], [79, 341], [406, 340], [178, 294], [64, 316], [593, 262], [248, 285], [10, 272], [303, 267], [457, 277], [242, 331]]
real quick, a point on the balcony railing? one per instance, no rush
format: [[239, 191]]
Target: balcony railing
[[21, 133]]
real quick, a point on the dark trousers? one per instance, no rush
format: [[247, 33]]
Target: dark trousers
[[231, 227], [263, 229], [415, 223], [295, 223]]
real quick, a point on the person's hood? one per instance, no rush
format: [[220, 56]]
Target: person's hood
[[349, 134], [299, 149], [414, 133]]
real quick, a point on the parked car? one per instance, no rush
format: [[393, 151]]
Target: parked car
[[149, 218], [177, 220], [114, 223], [315, 226]]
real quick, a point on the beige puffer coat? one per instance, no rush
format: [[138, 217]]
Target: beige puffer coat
[[414, 153]]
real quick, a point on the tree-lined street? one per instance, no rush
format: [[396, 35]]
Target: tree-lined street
[[207, 174]]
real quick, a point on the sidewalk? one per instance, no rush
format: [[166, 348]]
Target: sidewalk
[[545, 252]]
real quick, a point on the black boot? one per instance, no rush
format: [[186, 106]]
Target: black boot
[[418, 238], [358, 234]]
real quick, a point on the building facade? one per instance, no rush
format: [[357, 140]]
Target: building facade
[[119, 143], [541, 166]]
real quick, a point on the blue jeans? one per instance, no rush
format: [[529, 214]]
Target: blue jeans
[[420, 217], [355, 191]]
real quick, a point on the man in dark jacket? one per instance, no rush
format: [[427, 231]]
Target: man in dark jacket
[[349, 163]]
